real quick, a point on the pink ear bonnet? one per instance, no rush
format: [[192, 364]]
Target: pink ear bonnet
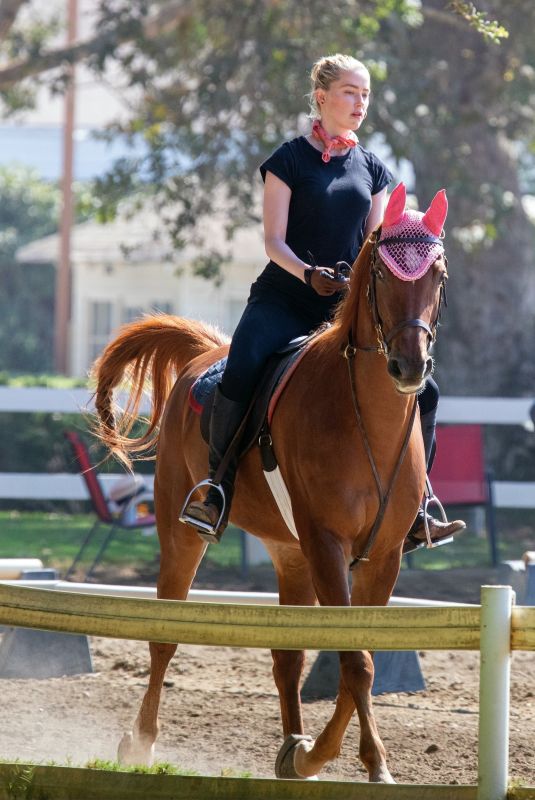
[[410, 240]]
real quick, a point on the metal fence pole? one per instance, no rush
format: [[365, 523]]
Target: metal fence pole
[[494, 687]]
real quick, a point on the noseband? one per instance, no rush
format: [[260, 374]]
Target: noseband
[[385, 339]]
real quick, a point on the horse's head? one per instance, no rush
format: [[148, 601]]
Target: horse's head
[[407, 286]]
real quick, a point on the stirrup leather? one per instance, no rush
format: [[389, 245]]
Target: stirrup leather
[[206, 531], [432, 499]]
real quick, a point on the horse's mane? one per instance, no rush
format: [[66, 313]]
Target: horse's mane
[[346, 312]]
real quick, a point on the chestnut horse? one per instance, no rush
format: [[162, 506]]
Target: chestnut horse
[[326, 466]]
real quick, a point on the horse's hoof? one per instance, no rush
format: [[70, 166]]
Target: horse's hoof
[[132, 753], [284, 765], [382, 776]]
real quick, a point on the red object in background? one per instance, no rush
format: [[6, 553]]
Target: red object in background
[[459, 475], [123, 520]]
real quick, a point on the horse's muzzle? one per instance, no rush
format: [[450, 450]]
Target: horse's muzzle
[[409, 374]]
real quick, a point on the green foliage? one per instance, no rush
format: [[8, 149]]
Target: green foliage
[[490, 29], [218, 90], [29, 209], [237, 92]]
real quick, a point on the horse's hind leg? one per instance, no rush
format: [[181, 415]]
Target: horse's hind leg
[[181, 553]]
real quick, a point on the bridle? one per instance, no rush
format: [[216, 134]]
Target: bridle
[[385, 339]]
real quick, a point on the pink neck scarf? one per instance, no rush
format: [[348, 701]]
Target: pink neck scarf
[[331, 142]]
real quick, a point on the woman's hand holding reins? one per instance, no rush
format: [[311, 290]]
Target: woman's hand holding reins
[[324, 281]]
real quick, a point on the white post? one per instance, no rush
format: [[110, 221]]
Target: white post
[[496, 604]]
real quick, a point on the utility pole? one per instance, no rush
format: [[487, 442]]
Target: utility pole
[[62, 310]]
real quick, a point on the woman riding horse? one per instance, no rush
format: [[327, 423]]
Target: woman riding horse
[[324, 193], [353, 462]]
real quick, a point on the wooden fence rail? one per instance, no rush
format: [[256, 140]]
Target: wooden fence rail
[[495, 628]]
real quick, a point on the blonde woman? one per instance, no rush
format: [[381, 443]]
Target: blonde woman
[[323, 194]]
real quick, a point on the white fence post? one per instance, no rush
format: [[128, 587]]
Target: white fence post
[[494, 687]]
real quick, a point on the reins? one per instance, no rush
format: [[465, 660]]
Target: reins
[[349, 354], [384, 341]]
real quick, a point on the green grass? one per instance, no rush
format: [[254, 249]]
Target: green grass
[[516, 534], [160, 768], [50, 381], [22, 770], [55, 539]]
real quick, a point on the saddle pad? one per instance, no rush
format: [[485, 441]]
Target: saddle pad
[[278, 371], [205, 385]]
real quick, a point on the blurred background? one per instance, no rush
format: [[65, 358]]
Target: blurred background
[[130, 138]]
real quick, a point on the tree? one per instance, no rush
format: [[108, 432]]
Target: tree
[[218, 86], [461, 110], [216, 90], [28, 210]]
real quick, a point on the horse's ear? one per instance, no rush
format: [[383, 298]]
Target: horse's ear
[[395, 206], [435, 216]]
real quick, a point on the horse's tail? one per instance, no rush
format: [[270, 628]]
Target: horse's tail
[[146, 354]]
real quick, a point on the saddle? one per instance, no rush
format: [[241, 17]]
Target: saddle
[[277, 373]]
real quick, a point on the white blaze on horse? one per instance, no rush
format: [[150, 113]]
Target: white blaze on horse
[[347, 448]]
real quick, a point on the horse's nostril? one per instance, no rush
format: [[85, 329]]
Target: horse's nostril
[[428, 367], [394, 368]]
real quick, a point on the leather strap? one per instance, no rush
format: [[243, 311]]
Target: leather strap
[[410, 240], [349, 354], [411, 323]]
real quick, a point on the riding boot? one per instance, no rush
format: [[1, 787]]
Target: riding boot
[[438, 530], [225, 419]]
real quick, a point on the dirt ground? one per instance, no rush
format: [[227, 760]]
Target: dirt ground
[[220, 708]]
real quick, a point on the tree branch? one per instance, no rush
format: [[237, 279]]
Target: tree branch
[[8, 14], [169, 17], [443, 17]]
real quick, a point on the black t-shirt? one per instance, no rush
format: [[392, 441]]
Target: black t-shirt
[[329, 206]]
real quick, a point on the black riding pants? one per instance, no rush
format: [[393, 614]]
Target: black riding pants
[[264, 328], [269, 324]]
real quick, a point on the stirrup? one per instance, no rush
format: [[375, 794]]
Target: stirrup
[[206, 531], [432, 499]]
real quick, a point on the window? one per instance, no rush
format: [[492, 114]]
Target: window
[[100, 327], [130, 313], [163, 306]]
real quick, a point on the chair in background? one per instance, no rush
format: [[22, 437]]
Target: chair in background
[[459, 475], [119, 511]]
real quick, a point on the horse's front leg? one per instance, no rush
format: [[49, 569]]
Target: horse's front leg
[[372, 585], [295, 589], [329, 562]]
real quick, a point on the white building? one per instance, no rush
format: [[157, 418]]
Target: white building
[[119, 272]]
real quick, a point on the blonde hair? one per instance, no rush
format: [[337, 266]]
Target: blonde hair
[[326, 70]]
